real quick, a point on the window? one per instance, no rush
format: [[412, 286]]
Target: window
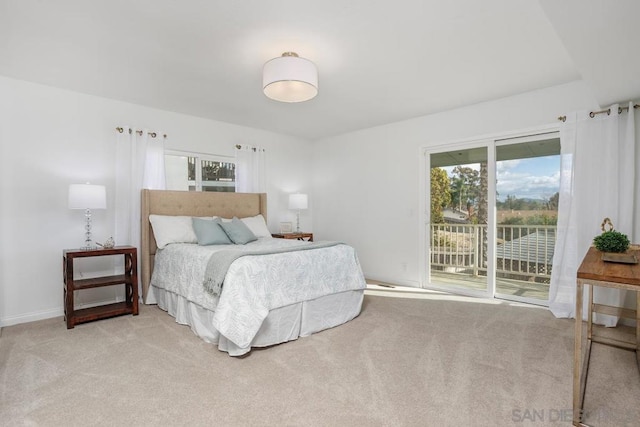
[[199, 172]]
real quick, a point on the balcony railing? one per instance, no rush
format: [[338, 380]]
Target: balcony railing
[[523, 252]]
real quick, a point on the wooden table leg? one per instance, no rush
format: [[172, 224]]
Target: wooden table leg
[[638, 328], [577, 347], [589, 289], [69, 304]]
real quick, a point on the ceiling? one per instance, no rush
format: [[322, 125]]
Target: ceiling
[[378, 61]]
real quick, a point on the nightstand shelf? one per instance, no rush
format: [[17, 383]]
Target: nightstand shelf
[[96, 282], [129, 279], [100, 312]]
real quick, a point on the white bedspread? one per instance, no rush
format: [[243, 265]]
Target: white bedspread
[[256, 284]]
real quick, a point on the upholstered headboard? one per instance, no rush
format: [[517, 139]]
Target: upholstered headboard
[[189, 203]]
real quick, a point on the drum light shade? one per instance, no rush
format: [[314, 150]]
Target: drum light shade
[[290, 78]]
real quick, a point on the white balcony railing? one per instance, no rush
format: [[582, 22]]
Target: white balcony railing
[[523, 252]]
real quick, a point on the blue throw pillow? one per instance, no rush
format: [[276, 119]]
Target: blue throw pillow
[[209, 232], [238, 231]]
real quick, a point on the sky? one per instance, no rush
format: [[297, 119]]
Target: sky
[[534, 178]]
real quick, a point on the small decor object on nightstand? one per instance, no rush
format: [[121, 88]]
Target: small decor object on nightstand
[[286, 227], [614, 244], [108, 244]]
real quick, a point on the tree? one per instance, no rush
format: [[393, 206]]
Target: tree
[[510, 202], [483, 191], [440, 194], [483, 210], [465, 182], [554, 202], [457, 190]]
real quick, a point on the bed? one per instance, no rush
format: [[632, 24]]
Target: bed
[[284, 289]]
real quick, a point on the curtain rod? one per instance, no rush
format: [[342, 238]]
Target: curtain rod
[[238, 146], [592, 114], [139, 132]]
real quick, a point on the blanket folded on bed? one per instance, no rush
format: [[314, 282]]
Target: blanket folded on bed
[[220, 261]]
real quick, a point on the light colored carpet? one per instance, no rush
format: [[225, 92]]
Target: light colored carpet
[[440, 361]]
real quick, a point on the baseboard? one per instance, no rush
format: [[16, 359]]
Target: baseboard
[[390, 282], [48, 314], [31, 317]]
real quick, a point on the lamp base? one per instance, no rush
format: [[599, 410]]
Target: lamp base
[[87, 234]]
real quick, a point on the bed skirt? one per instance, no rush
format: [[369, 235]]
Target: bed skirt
[[281, 325]]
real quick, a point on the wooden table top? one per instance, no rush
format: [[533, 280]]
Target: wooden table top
[[594, 268]]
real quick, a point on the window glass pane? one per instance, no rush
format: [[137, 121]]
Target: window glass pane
[[193, 172], [192, 169], [176, 172], [218, 176]]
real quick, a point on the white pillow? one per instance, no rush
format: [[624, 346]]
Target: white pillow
[[172, 229], [258, 226]]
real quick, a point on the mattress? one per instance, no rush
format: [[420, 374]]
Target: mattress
[[294, 293]]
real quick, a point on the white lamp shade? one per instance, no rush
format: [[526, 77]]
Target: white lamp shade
[[298, 201], [290, 78], [87, 196]]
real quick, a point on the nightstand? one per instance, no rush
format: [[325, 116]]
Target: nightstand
[[297, 236], [129, 279]]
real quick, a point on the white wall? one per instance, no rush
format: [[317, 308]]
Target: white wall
[[363, 186], [50, 138], [367, 183]]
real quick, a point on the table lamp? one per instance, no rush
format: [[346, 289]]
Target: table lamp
[[87, 197], [298, 201]]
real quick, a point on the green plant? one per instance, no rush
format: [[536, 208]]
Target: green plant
[[443, 241], [611, 241]]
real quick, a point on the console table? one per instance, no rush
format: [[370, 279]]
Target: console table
[[595, 272]]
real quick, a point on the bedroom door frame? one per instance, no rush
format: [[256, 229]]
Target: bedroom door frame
[[490, 143]]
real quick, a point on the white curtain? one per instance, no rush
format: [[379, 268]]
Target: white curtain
[[250, 169], [600, 171], [139, 164]]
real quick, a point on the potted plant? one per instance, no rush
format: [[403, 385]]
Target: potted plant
[[611, 240], [613, 244]]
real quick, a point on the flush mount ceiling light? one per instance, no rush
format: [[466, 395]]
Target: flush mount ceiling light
[[290, 78]]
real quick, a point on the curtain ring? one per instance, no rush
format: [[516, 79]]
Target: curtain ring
[[609, 111], [592, 114]]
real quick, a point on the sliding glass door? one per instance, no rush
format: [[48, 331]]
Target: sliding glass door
[[527, 185], [491, 226], [457, 237]]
